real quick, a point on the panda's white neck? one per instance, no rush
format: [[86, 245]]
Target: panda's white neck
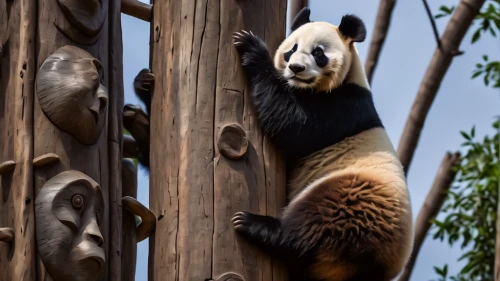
[[357, 73]]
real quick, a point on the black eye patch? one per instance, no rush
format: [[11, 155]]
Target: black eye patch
[[288, 54], [319, 57]]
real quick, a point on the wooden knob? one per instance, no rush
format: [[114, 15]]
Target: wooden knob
[[230, 276], [232, 141]]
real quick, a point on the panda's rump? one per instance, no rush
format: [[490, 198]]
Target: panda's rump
[[348, 218]]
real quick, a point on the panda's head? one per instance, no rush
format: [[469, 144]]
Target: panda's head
[[319, 55]]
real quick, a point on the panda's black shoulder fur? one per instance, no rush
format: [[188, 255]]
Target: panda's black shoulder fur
[[302, 121], [320, 119]]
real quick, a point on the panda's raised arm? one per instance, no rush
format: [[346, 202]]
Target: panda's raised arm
[[276, 109]]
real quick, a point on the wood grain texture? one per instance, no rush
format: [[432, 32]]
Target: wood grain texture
[[102, 160], [115, 138], [17, 73], [441, 60], [200, 88], [129, 248], [432, 204]]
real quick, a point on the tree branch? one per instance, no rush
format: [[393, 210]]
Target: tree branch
[[379, 34], [137, 9], [432, 204], [441, 60], [433, 23], [295, 7]]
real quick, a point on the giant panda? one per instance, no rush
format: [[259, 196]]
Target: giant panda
[[349, 214]]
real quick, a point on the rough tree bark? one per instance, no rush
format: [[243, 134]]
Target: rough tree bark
[[17, 73], [441, 60], [432, 204], [201, 111], [382, 23]]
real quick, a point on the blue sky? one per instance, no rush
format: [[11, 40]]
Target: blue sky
[[460, 103]]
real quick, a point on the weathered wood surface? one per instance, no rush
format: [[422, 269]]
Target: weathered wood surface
[[137, 9], [17, 72], [129, 257], [101, 160], [295, 7], [199, 88]]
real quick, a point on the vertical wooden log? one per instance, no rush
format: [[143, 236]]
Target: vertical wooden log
[[94, 27], [199, 90], [295, 7], [115, 139], [129, 257], [17, 72]]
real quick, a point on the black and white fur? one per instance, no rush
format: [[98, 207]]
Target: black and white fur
[[349, 215]]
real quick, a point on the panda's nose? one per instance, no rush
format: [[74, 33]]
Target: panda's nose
[[296, 68]]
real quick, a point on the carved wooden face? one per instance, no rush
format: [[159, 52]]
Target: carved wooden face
[[70, 93], [86, 15], [68, 212]]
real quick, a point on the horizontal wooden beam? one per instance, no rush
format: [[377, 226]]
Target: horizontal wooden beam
[[137, 9]]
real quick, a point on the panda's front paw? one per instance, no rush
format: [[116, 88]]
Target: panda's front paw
[[249, 46], [242, 221]]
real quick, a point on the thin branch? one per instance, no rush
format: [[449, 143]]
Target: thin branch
[[137, 9], [295, 7], [433, 23], [441, 60], [432, 204], [379, 34]]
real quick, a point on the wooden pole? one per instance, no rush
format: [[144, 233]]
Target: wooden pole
[[17, 74], [77, 109], [199, 96], [295, 7]]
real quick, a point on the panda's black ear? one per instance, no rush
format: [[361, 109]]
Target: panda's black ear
[[301, 18], [353, 27]]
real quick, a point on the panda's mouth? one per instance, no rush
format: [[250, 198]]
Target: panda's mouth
[[305, 81]]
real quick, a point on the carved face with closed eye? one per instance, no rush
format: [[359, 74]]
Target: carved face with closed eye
[[70, 92], [319, 55], [68, 212]]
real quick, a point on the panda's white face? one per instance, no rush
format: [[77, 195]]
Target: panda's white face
[[315, 55]]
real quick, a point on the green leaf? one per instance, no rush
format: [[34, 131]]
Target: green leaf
[[486, 80], [464, 134], [476, 35], [476, 74], [485, 57], [493, 33], [473, 131], [445, 9]]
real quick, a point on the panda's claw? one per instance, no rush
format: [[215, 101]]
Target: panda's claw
[[240, 221]]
